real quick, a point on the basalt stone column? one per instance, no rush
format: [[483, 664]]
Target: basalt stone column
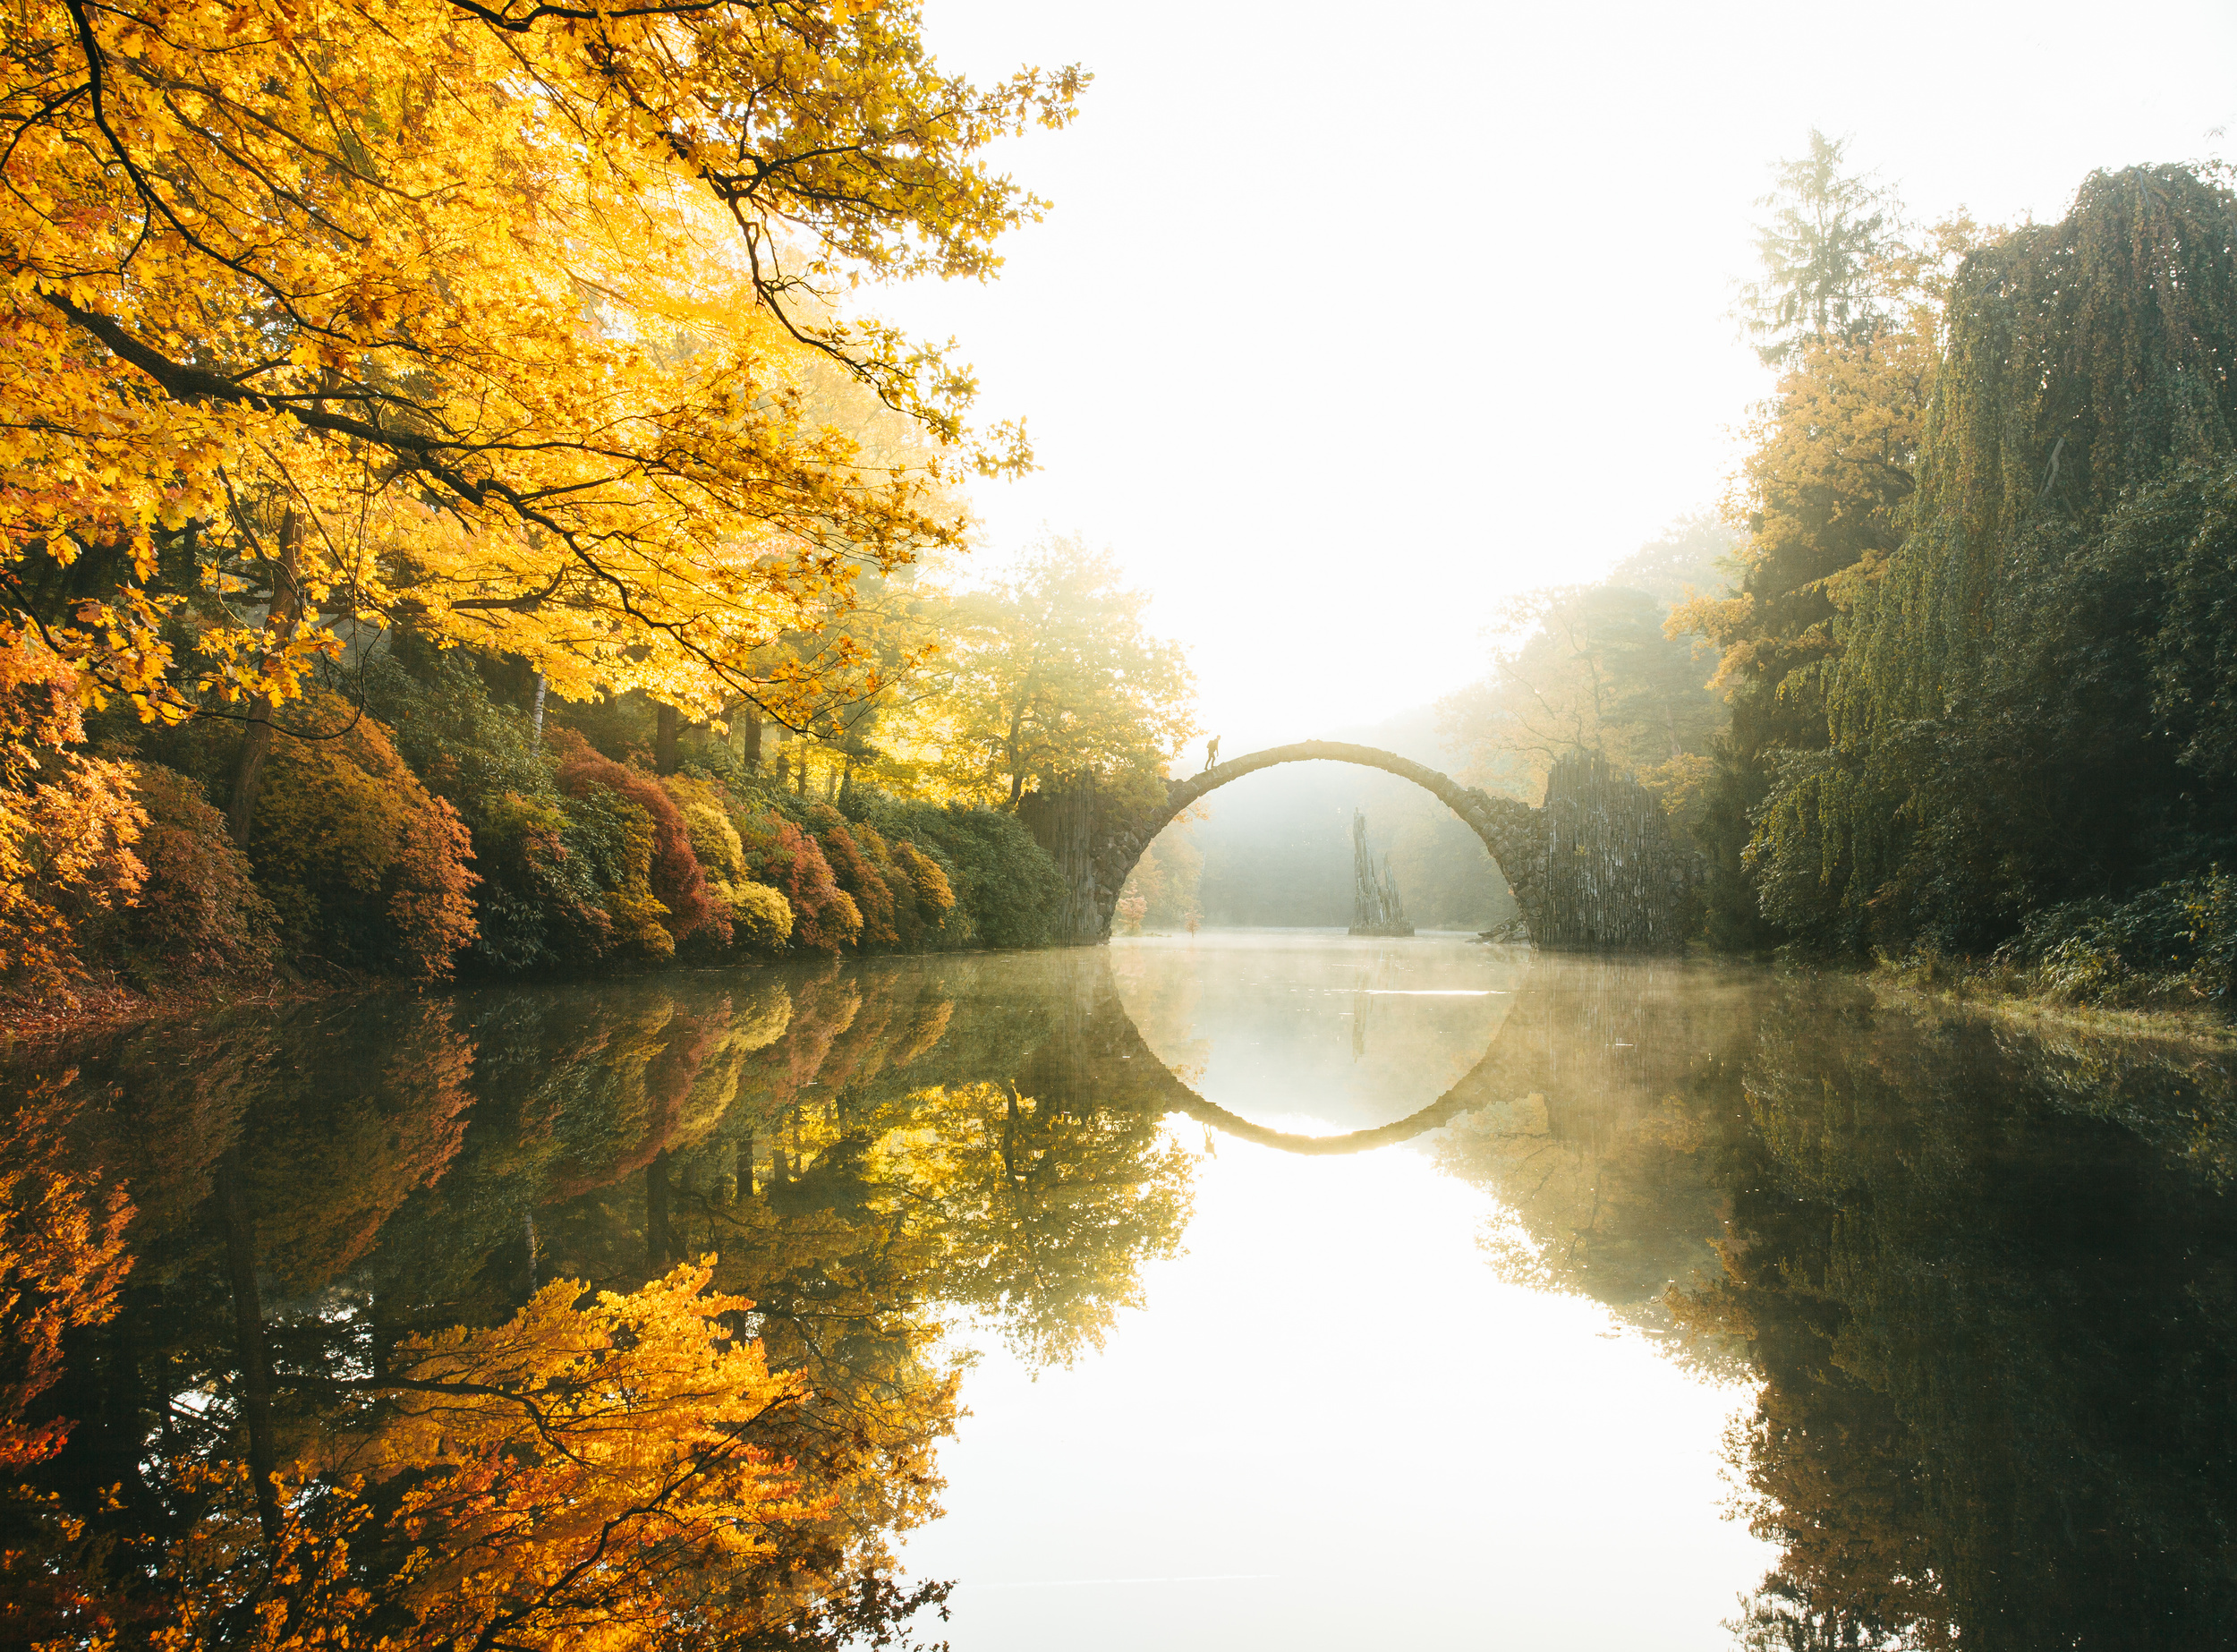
[[1613, 879]]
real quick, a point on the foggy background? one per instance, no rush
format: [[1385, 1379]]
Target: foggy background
[[1345, 324]]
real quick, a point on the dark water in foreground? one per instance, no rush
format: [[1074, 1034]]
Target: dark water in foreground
[[1306, 1292]]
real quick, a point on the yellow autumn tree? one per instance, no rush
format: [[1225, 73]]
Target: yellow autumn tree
[[1050, 671], [499, 321]]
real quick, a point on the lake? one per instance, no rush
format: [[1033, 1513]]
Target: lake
[[1259, 1289]]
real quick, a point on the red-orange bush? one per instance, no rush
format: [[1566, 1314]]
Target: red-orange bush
[[362, 861], [825, 918], [199, 914], [678, 881], [854, 872]]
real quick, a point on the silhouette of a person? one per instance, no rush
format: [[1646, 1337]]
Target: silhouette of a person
[[1211, 754]]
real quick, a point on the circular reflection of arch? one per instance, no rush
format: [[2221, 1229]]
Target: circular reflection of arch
[[1508, 828], [1116, 1063]]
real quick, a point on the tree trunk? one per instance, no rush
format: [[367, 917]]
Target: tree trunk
[[248, 1322], [536, 718], [255, 744], [753, 741], [664, 757]]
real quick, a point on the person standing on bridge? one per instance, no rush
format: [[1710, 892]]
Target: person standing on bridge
[[1211, 754]]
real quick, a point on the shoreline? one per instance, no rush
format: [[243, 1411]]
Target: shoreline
[[1981, 996]]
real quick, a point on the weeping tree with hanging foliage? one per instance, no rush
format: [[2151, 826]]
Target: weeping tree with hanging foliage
[[2034, 710]]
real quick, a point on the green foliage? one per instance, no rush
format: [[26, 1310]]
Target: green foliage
[[1005, 883], [467, 747], [1827, 230], [561, 885], [544, 862], [676, 881], [2033, 705], [2173, 943]]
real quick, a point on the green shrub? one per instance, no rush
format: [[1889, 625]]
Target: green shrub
[[2174, 942], [1005, 885]]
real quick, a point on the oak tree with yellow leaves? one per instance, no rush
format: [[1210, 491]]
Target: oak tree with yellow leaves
[[500, 320]]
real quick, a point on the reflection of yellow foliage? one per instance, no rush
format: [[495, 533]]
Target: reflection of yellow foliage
[[759, 1021], [328, 1166], [582, 1477], [925, 1029], [62, 1259]]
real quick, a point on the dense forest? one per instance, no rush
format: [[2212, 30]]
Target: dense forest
[[1949, 684], [1977, 652], [549, 577], [431, 811]]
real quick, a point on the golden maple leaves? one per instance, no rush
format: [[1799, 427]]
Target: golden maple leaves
[[512, 312]]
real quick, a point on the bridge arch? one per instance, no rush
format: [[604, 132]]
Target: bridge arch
[[1508, 829], [1101, 1057], [1594, 868]]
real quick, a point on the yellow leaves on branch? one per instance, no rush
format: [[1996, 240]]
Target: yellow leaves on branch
[[502, 320]]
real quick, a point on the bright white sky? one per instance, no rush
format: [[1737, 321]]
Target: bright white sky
[[1348, 322]]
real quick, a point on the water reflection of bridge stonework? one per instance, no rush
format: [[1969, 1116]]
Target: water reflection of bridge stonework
[[1594, 868]]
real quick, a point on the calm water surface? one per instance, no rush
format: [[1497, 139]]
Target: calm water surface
[[1307, 1291]]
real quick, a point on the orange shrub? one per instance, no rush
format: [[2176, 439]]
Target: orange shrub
[[358, 856], [199, 913], [677, 881], [825, 918], [68, 824], [854, 872]]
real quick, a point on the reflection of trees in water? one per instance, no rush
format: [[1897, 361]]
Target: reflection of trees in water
[[865, 1151], [1607, 1074], [1997, 1332], [1986, 1280]]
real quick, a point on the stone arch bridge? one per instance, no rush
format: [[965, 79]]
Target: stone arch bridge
[[1593, 866]]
